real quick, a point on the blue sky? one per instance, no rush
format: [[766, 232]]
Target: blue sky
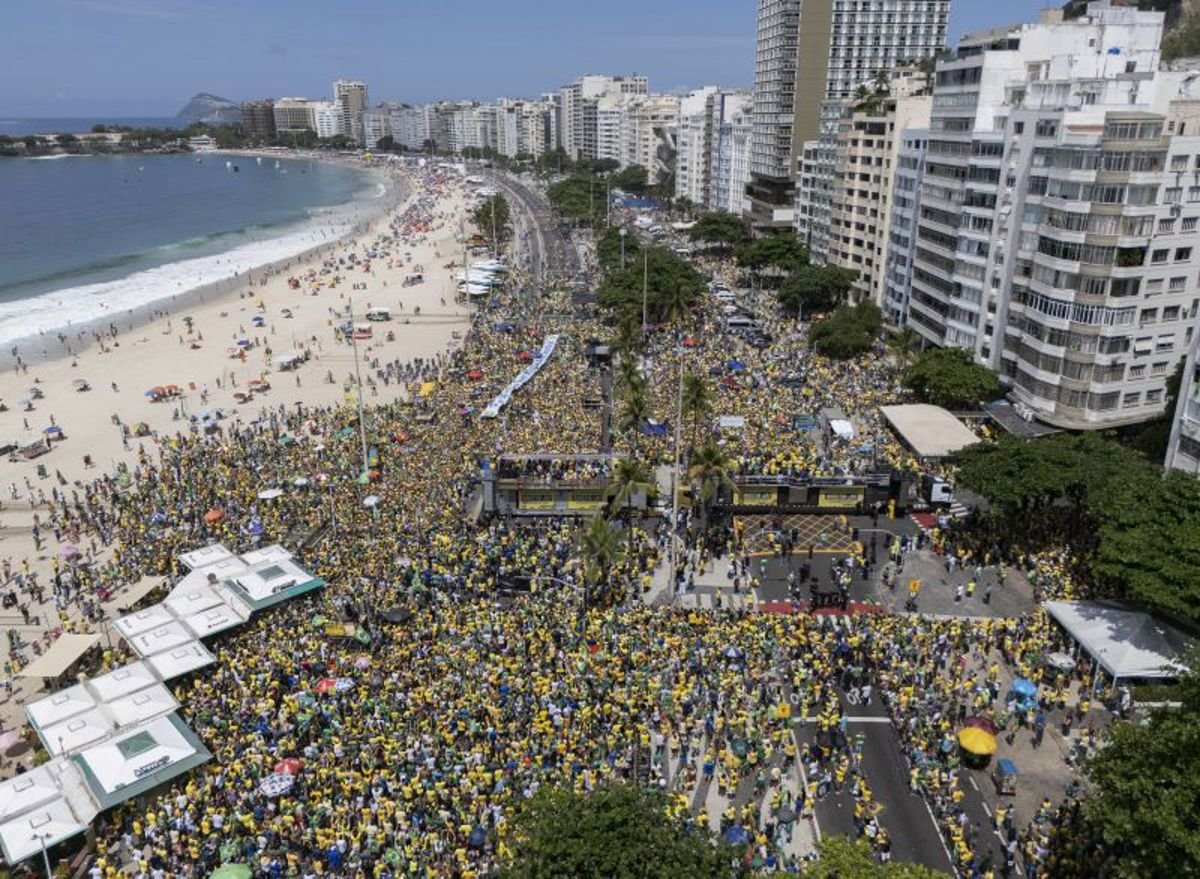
[[147, 57]]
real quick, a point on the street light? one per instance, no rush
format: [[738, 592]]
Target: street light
[[622, 234], [42, 837]]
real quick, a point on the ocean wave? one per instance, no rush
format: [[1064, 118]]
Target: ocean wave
[[58, 156], [112, 300]]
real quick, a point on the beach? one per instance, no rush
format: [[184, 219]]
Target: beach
[[186, 346]]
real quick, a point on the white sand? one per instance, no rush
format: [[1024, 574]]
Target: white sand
[[154, 354]]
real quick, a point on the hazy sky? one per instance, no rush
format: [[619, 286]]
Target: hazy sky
[[147, 57]]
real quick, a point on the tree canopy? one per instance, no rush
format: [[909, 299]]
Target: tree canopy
[[780, 252], [671, 284], [843, 858], [617, 831], [848, 332], [950, 377], [492, 214], [721, 229], [810, 289], [608, 250]]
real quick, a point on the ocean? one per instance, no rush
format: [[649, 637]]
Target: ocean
[[86, 238], [78, 124]]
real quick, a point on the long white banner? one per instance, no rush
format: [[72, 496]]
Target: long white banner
[[525, 376]]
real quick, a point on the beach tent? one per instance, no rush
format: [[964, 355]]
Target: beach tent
[[143, 621], [59, 706], [63, 653], [125, 596], [1125, 642], [141, 706], [173, 634], [76, 732], [43, 827], [121, 682], [180, 660]]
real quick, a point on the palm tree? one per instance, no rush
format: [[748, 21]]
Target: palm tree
[[711, 470], [599, 549], [630, 478], [629, 338], [697, 401], [634, 414], [676, 303], [904, 345], [629, 377]]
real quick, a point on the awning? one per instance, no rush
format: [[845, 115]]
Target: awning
[[126, 596], [1127, 643], [180, 660], [62, 654]]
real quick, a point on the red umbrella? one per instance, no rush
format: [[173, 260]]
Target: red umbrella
[[524, 356], [326, 685], [981, 723], [288, 766], [689, 342], [475, 374], [213, 516]]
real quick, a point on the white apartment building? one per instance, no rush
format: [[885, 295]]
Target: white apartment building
[[577, 108], [377, 124], [327, 119], [729, 166], [866, 152], [351, 99], [1183, 450], [411, 126], [811, 52], [293, 115], [905, 207], [649, 138], [1056, 237], [694, 146]]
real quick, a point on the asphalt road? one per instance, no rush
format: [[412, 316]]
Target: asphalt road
[[552, 256]]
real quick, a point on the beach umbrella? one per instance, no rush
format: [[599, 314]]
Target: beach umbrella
[[1060, 661], [10, 739], [342, 685], [270, 494], [475, 374], [231, 871], [477, 838], [69, 551], [300, 481], [53, 429], [981, 723], [326, 685], [736, 365], [371, 501], [733, 652], [977, 741], [787, 814], [736, 835], [362, 661], [288, 766], [397, 615], [213, 516], [277, 784], [256, 527], [1024, 687]]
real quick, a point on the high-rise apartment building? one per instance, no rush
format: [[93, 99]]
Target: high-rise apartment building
[[1183, 450], [1056, 237], [258, 120], [812, 52], [693, 162], [577, 109], [351, 98], [729, 166], [866, 150], [376, 124], [905, 208], [411, 126]]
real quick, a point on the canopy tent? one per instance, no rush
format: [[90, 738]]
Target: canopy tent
[[39, 828], [212, 620], [76, 732], [122, 681], [1125, 642], [173, 634], [930, 431], [141, 706], [139, 759], [126, 596], [205, 556], [143, 621], [63, 653], [29, 790], [59, 706], [186, 599], [180, 660]]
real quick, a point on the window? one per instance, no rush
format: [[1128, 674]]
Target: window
[[1171, 312], [1148, 316], [1154, 396], [1019, 128], [1046, 128], [1176, 285], [1183, 254], [1132, 399], [1137, 371], [1160, 255], [1189, 224], [1166, 227], [1158, 368], [1179, 163], [1172, 194]]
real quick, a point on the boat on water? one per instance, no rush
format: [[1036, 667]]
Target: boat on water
[[228, 165], [259, 160], [236, 169]]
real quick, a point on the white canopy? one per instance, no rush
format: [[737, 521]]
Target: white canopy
[[189, 598], [47, 825], [212, 620], [205, 555], [141, 706], [143, 621], [135, 760], [180, 660], [27, 791], [122, 681], [1127, 643], [59, 706], [173, 634], [63, 653], [76, 732]]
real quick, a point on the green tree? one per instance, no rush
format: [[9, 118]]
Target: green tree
[[811, 289], [493, 215], [950, 377], [630, 478], [697, 401], [1145, 803], [385, 144], [840, 857], [721, 229], [634, 413], [615, 832], [848, 332], [599, 550], [904, 344], [631, 179], [608, 250], [781, 253], [670, 281], [711, 470]]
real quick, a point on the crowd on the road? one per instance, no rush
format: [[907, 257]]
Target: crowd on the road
[[477, 680]]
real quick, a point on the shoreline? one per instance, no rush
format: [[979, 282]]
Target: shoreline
[[71, 339]]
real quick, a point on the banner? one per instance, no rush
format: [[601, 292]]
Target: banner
[[538, 500], [841, 498], [758, 497], [585, 500], [526, 375]]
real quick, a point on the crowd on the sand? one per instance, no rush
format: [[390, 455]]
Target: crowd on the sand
[[475, 678]]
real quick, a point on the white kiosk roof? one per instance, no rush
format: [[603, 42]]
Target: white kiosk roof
[[59, 706], [139, 759], [27, 791], [189, 598], [63, 653], [180, 660], [212, 620], [173, 634], [47, 825], [76, 732], [143, 620], [206, 555], [930, 431], [122, 681], [1127, 643], [141, 706]]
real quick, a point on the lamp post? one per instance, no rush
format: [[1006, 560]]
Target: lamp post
[[42, 837], [622, 233]]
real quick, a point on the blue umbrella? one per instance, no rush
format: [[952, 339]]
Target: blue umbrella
[[736, 365], [1024, 687], [736, 835], [477, 838]]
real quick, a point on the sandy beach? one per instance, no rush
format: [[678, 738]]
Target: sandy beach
[[297, 306]]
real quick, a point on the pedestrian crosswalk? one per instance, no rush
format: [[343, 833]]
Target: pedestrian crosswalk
[[716, 598]]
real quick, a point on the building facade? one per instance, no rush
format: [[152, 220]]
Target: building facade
[[905, 208], [351, 99], [1056, 233], [729, 172], [258, 120], [810, 55], [693, 162]]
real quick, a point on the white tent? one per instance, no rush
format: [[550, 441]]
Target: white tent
[[143, 621], [29, 790], [189, 598], [273, 553], [46, 826], [180, 660], [141, 706], [59, 706], [212, 620], [63, 653], [76, 732], [122, 681], [1126, 643], [173, 634], [206, 555]]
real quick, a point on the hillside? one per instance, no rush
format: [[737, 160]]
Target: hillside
[[210, 110]]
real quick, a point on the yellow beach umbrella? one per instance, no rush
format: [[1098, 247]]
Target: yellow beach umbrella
[[977, 741]]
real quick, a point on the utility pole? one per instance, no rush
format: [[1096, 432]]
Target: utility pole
[[675, 480], [362, 424], [645, 286]]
